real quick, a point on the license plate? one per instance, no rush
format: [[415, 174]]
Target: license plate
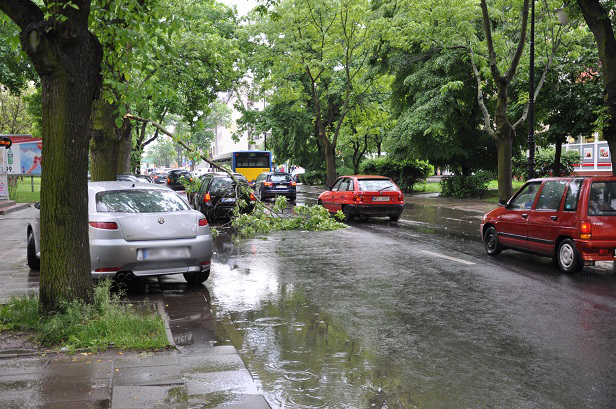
[[228, 200], [380, 199], [280, 187], [165, 253]]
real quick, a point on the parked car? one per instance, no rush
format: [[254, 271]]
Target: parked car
[[272, 184], [174, 176], [127, 177], [159, 176], [218, 194], [364, 195], [570, 219], [144, 178], [139, 229]]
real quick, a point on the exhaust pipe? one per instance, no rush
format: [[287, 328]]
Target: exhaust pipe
[[129, 276], [121, 276]]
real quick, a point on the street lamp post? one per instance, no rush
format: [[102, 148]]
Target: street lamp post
[[531, 92]]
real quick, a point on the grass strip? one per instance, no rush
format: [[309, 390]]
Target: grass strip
[[106, 322]]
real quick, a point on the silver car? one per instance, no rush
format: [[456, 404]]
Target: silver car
[[140, 229]]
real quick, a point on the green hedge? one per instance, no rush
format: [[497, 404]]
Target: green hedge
[[460, 186], [405, 173]]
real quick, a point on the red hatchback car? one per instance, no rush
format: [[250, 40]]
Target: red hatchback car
[[571, 219], [364, 195]]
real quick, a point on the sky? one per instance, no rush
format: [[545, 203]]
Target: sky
[[243, 6]]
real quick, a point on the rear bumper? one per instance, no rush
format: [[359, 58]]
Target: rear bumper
[[279, 192], [597, 250], [119, 253], [376, 210]]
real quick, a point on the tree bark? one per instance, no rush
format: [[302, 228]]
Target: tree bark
[[125, 148], [67, 58], [600, 24], [104, 143]]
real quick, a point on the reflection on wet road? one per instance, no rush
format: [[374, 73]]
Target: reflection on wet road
[[369, 317]]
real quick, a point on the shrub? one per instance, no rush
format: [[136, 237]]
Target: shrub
[[544, 161], [405, 172], [313, 177], [465, 186]]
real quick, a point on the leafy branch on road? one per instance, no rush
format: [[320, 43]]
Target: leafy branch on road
[[263, 219]]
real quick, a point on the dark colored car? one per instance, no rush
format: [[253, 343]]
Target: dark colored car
[[364, 195], [159, 176], [174, 176], [570, 219], [272, 184], [218, 195]]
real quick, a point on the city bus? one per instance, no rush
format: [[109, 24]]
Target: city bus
[[248, 163]]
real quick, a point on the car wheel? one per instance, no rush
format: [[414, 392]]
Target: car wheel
[[320, 202], [293, 198], [33, 262], [347, 214], [197, 278], [394, 218], [568, 257], [490, 241], [262, 197]]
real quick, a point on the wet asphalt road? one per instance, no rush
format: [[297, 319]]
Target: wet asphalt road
[[412, 314]]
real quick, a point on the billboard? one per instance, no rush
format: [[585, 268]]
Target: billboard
[[24, 157]]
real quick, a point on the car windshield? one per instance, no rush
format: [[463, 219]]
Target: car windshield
[[376, 184], [224, 185], [280, 178], [139, 201], [602, 200]]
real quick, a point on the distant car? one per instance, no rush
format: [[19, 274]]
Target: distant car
[[272, 184], [218, 194], [144, 178], [127, 177], [174, 176], [138, 230], [364, 195], [570, 219], [159, 176]]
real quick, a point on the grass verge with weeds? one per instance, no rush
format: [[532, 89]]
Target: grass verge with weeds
[[108, 321]]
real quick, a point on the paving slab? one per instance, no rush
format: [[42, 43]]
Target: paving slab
[[148, 397], [239, 382], [148, 375]]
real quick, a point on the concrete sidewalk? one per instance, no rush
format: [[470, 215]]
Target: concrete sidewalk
[[203, 376]]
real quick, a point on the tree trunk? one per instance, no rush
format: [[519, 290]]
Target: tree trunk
[[104, 143], [126, 145], [557, 154], [330, 161], [67, 58]]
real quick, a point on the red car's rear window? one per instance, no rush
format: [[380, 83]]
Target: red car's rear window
[[376, 184], [602, 201]]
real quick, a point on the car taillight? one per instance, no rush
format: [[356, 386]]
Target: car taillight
[[104, 225], [585, 230], [358, 198], [267, 183], [168, 180], [401, 197], [293, 183], [107, 269], [252, 197], [202, 222], [206, 198], [205, 263]]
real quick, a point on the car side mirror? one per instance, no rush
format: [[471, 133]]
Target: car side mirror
[[37, 205], [502, 203]]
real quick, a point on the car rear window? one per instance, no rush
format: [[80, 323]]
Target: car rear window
[[376, 184], [573, 193], [225, 184], [602, 201], [280, 178], [139, 201]]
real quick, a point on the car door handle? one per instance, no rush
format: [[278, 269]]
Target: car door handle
[[524, 215], [554, 218]]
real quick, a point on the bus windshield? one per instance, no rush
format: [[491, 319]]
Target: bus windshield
[[252, 160]]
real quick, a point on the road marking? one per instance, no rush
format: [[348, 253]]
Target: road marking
[[448, 258]]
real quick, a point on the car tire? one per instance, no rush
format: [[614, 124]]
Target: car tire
[[568, 257], [197, 278], [490, 242], [33, 262], [394, 218], [319, 202], [348, 217], [262, 197], [293, 198]]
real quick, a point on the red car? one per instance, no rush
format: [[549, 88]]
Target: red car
[[570, 219], [364, 195]]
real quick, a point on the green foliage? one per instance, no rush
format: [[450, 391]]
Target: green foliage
[[544, 162], [191, 185], [461, 186], [405, 172], [264, 219], [108, 321], [313, 178]]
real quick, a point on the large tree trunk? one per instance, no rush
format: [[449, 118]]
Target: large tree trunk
[[329, 152], [104, 143], [600, 24], [67, 58], [504, 142], [125, 148], [557, 155]]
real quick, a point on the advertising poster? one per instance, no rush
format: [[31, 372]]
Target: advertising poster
[[25, 156], [4, 186]]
